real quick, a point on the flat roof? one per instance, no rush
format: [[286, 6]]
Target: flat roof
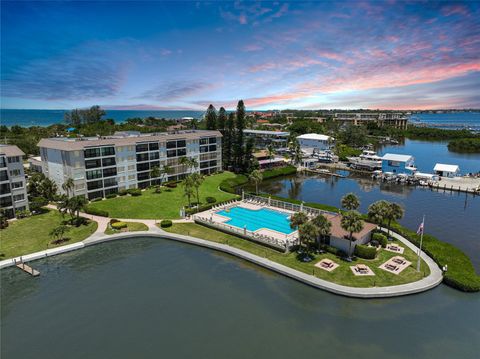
[[75, 144], [10, 150], [315, 136], [264, 132], [446, 168], [396, 157]]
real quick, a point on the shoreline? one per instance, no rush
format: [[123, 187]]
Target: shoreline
[[434, 279]]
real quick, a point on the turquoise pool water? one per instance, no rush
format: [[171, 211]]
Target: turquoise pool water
[[256, 219]]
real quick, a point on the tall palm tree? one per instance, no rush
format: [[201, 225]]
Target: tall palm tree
[[270, 153], [308, 234], [298, 219], [68, 185], [189, 162], [256, 177], [377, 210], [350, 201], [75, 205], [298, 155], [393, 212], [165, 171], [155, 173], [188, 190], [197, 180], [352, 223], [324, 227]]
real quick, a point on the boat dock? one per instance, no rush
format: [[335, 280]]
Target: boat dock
[[26, 268], [458, 184], [323, 172]]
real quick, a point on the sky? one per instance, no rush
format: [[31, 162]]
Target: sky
[[273, 55]]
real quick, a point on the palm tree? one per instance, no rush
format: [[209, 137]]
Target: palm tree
[[166, 170], [377, 210], [393, 212], [197, 180], [324, 227], [155, 172], [308, 233], [68, 185], [298, 155], [350, 201], [270, 153], [256, 177], [352, 223], [298, 219], [188, 190], [48, 189], [189, 162], [58, 232], [75, 205]]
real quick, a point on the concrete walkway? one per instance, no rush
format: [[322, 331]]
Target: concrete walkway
[[431, 281]]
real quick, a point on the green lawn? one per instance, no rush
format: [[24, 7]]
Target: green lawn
[[167, 204], [132, 227], [341, 275], [31, 234]]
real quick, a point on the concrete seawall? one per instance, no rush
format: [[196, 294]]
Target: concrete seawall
[[434, 279]]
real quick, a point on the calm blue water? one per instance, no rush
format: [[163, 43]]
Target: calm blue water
[[29, 118], [449, 120], [256, 219], [428, 153]]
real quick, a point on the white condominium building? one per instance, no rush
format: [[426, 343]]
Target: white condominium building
[[13, 186], [103, 165]]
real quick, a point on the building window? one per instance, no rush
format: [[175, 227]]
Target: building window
[[131, 167], [171, 153], [18, 197], [15, 172], [108, 162], [181, 152], [143, 176], [17, 185], [91, 152], [92, 195], [153, 146], [204, 141], [108, 151], [94, 185], [154, 155], [110, 182], [109, 172], [142, 147], [5, 188], [3, 163], [131, 177], [171, 144], [94, 174], [212, 140], [92, 164], [13, 159], [110, 191], [5, 201], [143, 167], [181, 143], [142, 157], [3, 175], [212, 148]]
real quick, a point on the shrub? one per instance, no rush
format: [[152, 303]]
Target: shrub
[[111, 195], [123, 192], [166, 223], [380, 238], [171, 185], [96, 199], [118, 225], [96, 212], [135, 192], [366, 252], [211, 199], [114, 220]]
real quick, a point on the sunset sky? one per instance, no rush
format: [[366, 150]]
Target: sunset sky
[[274, 55]]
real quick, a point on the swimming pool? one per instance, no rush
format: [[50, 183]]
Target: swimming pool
[[256, 219]]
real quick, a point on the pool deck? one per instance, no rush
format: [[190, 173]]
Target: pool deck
[[429, 282]]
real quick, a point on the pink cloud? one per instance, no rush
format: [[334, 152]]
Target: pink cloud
[[252, 48], [457, 9]]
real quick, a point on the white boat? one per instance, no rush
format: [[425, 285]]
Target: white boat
[[367, 160]]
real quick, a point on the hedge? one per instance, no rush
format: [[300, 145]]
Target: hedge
[[135, 192], [380, 238], [96, 212], [211, 199], [165, 223], [461, 273], [118, 225], [96, 199], [365, 252], [123, 192], [111, 195]]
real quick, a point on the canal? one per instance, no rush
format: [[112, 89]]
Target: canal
[[154, 298]]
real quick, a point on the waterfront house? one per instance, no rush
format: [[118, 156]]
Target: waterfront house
[[277, 139], [396, 163], [314, 142], [13, 185], [444, 170]]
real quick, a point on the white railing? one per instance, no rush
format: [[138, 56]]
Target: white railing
[[289, 241]]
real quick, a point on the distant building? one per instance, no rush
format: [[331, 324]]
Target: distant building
[[444, 170], [394, 119], [395, 163], [13, 186], [103, 165], [278, 139], [35, 164], [264, 161], [314, 142]]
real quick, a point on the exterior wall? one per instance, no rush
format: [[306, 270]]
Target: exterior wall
[[396, 166], [100, 170], [13, 194], [344, 244]]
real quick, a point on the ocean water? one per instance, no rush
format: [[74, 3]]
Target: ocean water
[[459, 120], [29, 118]]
